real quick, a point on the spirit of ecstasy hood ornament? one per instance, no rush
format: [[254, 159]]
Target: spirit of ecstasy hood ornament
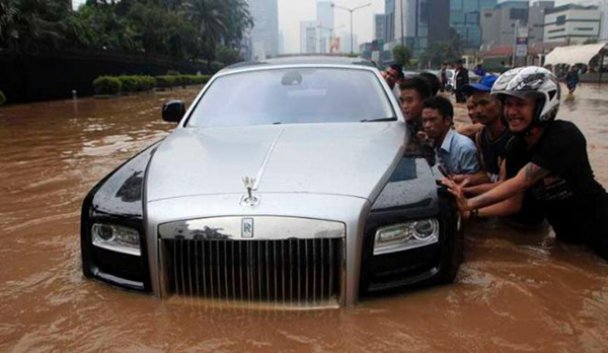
[[249, 199]]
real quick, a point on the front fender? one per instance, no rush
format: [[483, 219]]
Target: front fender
[[117, 199]]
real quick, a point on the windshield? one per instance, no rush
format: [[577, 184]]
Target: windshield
[[292, 96]]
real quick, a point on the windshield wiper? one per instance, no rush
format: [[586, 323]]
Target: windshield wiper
[[379, 119]]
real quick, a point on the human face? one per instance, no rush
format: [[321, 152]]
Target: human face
[[486, 108], [391, 76], [434, 124], [519, 113], [471, 110], [411, 104]]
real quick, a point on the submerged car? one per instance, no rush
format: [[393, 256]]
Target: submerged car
[[287, 181]]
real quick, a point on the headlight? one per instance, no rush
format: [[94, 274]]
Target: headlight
[[406, 236], [116, 238]]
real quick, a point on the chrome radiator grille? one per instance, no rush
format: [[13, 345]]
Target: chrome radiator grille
[[290, 271]]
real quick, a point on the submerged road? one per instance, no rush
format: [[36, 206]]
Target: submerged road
[[516, 291]]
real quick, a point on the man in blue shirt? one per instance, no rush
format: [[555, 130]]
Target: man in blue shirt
[[456, 153]]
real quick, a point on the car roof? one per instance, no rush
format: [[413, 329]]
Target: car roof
[[301, 60]]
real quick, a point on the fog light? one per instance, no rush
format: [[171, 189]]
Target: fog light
[[425, 228], [116, 238], [405, 236], [104, 231]]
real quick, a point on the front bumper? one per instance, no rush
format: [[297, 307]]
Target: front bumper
[[402, 268]]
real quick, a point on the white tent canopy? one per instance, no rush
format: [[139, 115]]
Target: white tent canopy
[[574, 54]]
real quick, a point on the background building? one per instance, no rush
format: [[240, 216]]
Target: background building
[[438, 18], [389, 18], [536, 20], [263, 40], [412, 25], [572, 24], [325, 19], [603, 7], [379, 27], [498, 24], [465, 18], [345, 40], [309, 37], [281, 47]]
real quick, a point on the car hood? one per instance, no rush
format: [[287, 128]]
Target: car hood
[[340, 159]]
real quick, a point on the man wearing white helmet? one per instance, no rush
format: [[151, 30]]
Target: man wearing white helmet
[[548, 157]]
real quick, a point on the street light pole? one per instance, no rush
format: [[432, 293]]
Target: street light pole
[[351, 10], [401, 21], [516, 28]]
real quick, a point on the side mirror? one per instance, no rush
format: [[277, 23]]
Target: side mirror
[[173, 111]]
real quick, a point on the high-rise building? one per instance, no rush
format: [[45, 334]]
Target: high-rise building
[[281, 47], [325, 18], [345, 42], [419, 21], [572, 24], [536, 20], [603, 7], [499, 24], [438, 19], [389, 18], [465, 18], [309, 37], [379, 27], [264, 37]]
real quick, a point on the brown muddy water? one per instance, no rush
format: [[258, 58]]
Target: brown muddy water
[[516, 291]]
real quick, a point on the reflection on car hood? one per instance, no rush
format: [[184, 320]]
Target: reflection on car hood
[[343, 159]]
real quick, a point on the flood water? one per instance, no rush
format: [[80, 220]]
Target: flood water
[[516, 291]]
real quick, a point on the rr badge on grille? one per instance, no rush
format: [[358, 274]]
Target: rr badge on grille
[[247, 228]]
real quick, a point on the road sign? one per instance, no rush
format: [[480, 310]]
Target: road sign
[[521, 47]]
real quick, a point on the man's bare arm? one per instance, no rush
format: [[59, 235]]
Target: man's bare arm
[[472, 179], [526, 177], [480, 189], [504, 208]]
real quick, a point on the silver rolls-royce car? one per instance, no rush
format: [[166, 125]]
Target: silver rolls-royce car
[[287, 181]]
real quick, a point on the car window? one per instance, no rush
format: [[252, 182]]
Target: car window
[[292, 96]]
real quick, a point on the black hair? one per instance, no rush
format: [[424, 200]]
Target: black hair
[[432, 80], [441, 104], [418, 84], [398, 68]]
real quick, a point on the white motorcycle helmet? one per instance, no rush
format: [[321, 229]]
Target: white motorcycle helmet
[[531, 82]]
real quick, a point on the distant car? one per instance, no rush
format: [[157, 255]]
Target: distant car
[[409, 73], [285, 182], [451, 75]]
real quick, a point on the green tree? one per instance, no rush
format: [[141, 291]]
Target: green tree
[[218, 21], [185, 29], [227, 55], [402, 55], [439, 52], [98, 26], [32, 25]]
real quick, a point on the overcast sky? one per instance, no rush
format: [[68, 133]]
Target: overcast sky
[[292, 12]]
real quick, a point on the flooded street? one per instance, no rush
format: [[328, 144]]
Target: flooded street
[[516, 291]]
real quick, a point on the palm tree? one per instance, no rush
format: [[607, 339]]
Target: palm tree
[[218, 21], [7, 18], [27, 25]]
